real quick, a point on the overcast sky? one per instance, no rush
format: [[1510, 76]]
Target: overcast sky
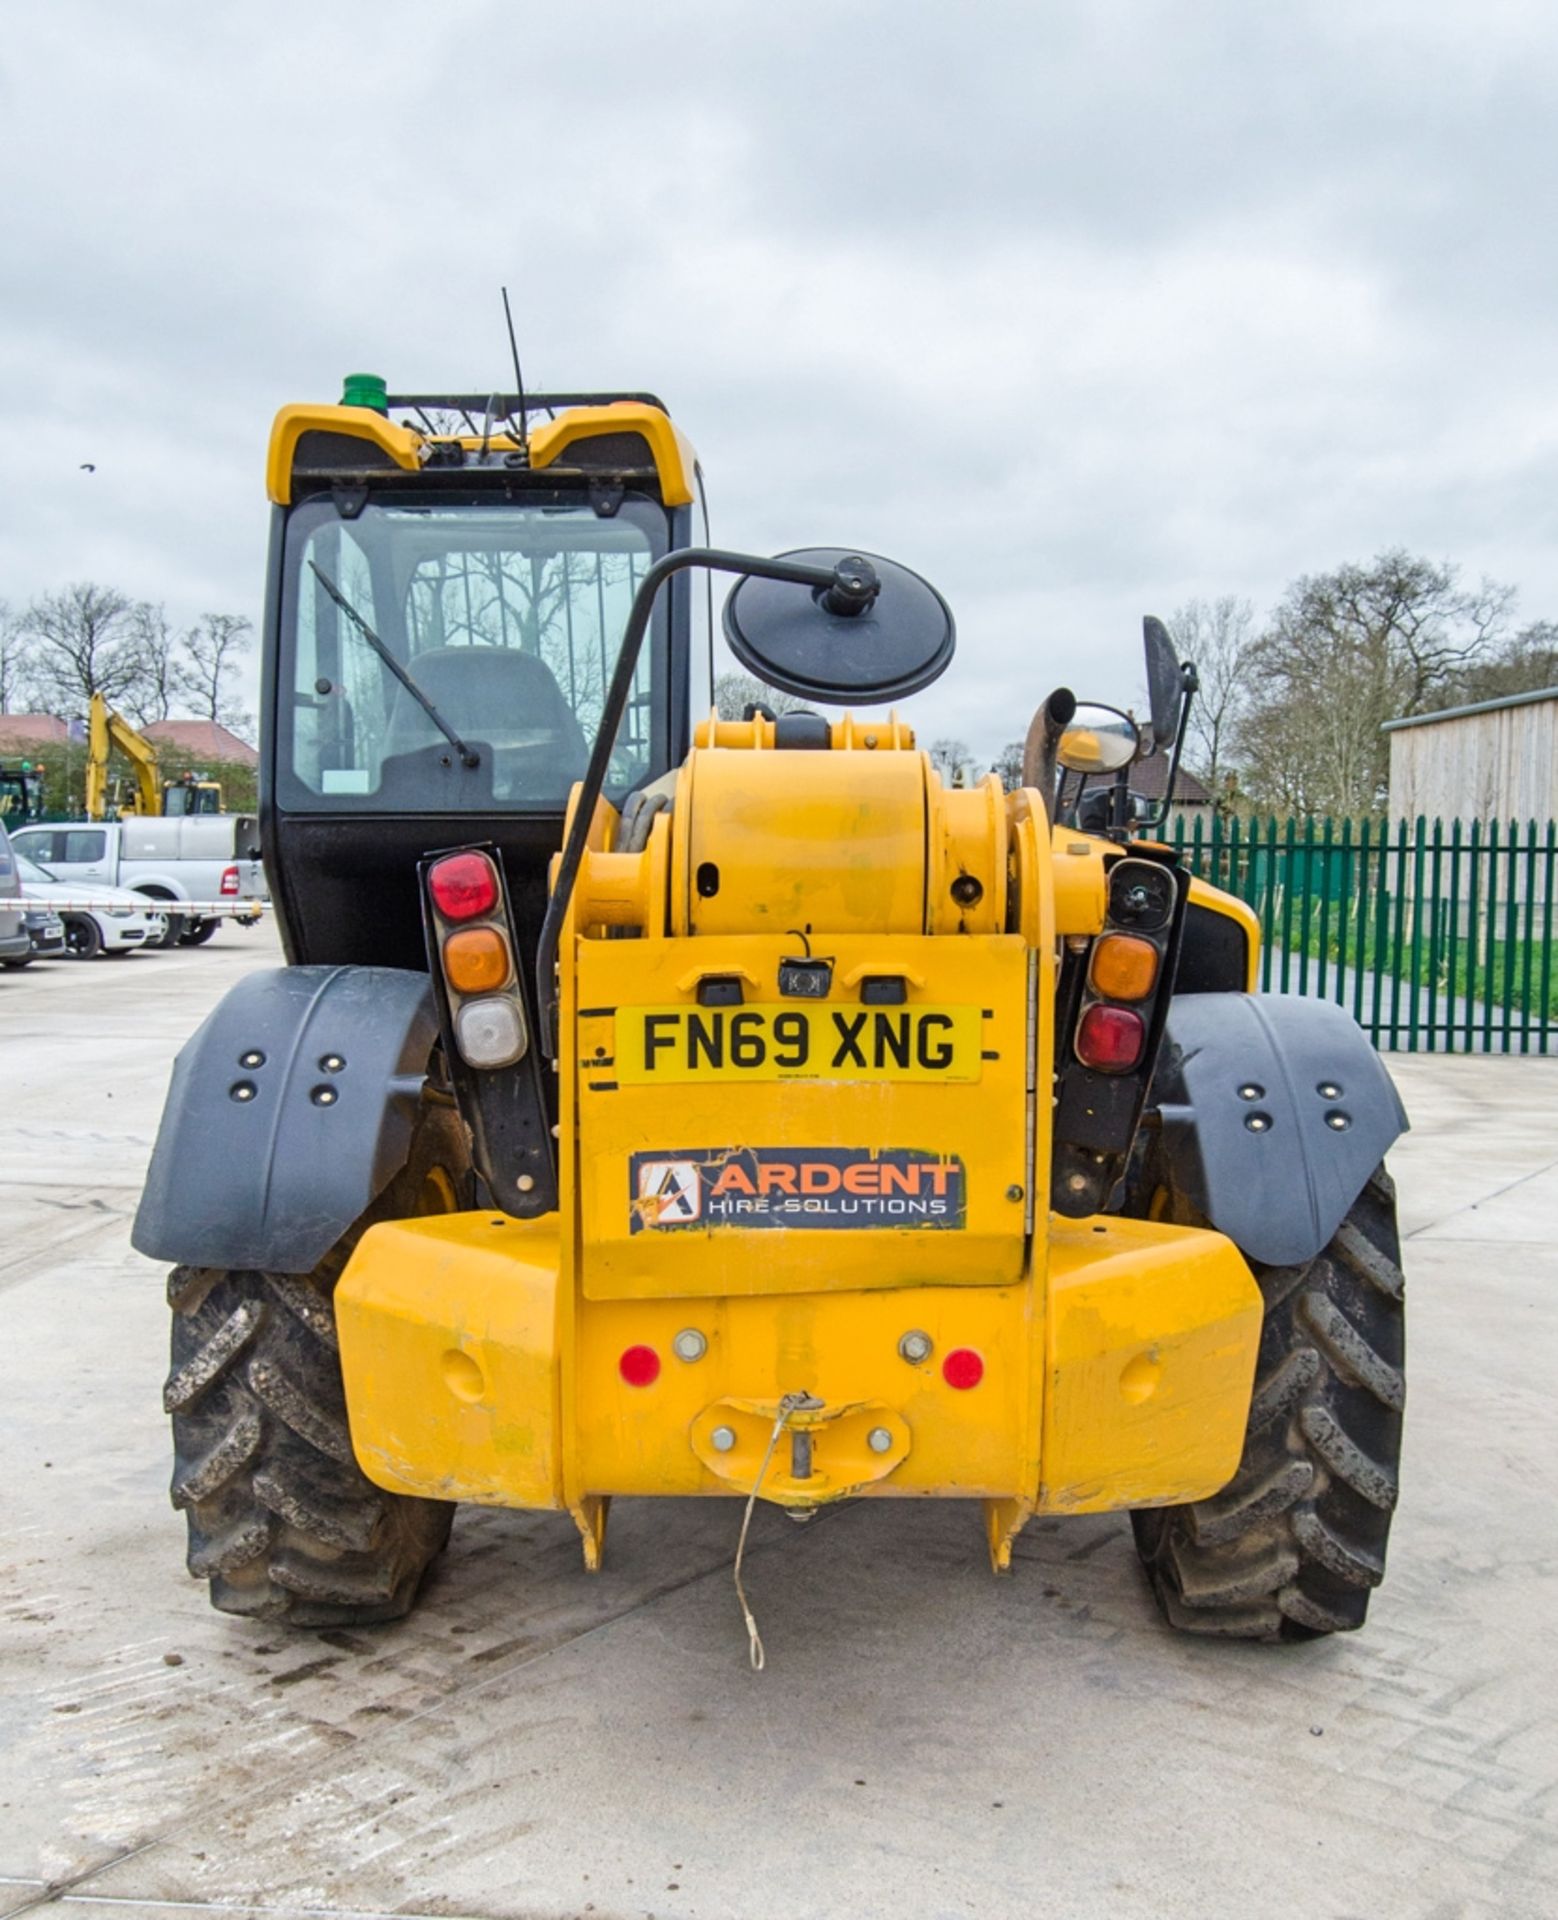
[[1078, 309]]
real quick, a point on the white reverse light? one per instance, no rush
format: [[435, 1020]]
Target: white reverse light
[[490, 1031]]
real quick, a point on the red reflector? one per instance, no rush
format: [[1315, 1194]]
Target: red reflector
[[640, 1366], [463, 886], [962, 1368], [229, 881], [1110, 1039]]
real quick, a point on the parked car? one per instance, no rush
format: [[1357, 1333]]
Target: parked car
[[113, 920], [197, 857], [15, 941], [46, 932]]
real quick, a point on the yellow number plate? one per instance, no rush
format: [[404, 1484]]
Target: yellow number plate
[[657, 1046]]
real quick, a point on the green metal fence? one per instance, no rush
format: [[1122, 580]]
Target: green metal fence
[[1435, 938]]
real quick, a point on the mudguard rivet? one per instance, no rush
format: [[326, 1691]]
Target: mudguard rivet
[[526, 1183], [331, 1063], [324, 1096], [1258, 1122], [253, 1058], [1338, 1122], [1249, 1091], [241, 1090], [722, 1439], [1328, 1090], [879, 1440]]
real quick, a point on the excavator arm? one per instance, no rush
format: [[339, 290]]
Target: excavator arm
[[107, 730]]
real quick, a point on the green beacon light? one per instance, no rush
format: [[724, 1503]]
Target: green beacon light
[[366, 390]]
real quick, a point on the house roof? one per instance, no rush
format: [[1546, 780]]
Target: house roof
[[1150, 779], [29, 732], [1480, 706], [205, 739]]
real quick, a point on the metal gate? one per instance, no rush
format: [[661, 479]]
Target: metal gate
[[1437, 938]]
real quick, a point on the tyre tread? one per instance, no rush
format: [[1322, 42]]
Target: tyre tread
[[1295, 1544]]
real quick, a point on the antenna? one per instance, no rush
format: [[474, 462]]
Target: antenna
[[519, 378]]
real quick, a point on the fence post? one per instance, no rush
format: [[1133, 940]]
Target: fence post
[[1551, 850], [1414, 963], [1343, 913], [1323, 936], [1511, 930], [1435, 940], [1288, 849], [1399, 934], [1473, 930], [1527, 944]]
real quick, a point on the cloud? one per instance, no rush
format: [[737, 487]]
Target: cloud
[[1079, 310]]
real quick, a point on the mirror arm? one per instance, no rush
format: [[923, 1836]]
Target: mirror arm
[[1189, 687], [834, 580]]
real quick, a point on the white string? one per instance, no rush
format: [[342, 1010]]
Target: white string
[[754, 1639]]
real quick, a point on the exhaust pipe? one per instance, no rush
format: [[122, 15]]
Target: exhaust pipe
[[1038, 750]]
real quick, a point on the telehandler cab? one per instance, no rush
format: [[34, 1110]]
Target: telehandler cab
[[663, 1104]]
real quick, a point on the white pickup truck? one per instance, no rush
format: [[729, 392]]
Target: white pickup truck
[[213, 856]]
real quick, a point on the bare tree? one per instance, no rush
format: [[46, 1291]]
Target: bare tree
[[1219, 636], [954, 761], [157, 685], [213, 649], [1345, 652], [734, 692], [1526, 663], [13, 658], [81, 641], [1008, 764]]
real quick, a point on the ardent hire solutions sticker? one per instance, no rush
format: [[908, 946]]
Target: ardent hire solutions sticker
[[795, 1187]]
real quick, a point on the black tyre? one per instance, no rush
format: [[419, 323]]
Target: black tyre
[[1295, 1544], [283, 1523], [83, 938], [198, 932]]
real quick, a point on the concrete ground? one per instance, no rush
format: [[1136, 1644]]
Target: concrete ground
[[927, 1741]]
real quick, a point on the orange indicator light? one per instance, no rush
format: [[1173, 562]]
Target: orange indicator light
[[1124, 967], [476, 960]]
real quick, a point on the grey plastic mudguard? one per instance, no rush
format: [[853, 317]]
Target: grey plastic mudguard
[[1275, 1110], [273, 1178]]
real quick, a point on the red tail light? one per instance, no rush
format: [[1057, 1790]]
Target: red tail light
[[464, 886], [229, 882], [1110, 1039], [963, 1369], [639, 1366]]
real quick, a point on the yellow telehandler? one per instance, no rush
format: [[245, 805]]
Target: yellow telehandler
[[653, 1103]]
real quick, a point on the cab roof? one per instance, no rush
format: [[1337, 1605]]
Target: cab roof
[[626, 439]]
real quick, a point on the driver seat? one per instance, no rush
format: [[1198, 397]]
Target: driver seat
[[498, 695]]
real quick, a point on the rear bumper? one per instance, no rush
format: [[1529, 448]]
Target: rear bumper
[[1120, 1378]]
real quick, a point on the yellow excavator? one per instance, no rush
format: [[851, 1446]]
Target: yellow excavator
[[107, 732]]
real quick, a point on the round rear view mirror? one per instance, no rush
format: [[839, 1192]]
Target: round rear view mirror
[[899, 642], [1098, 740]]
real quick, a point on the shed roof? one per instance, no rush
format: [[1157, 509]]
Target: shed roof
[[1480, 706]]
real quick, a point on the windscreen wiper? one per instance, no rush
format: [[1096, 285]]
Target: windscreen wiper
[[469, 757]]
